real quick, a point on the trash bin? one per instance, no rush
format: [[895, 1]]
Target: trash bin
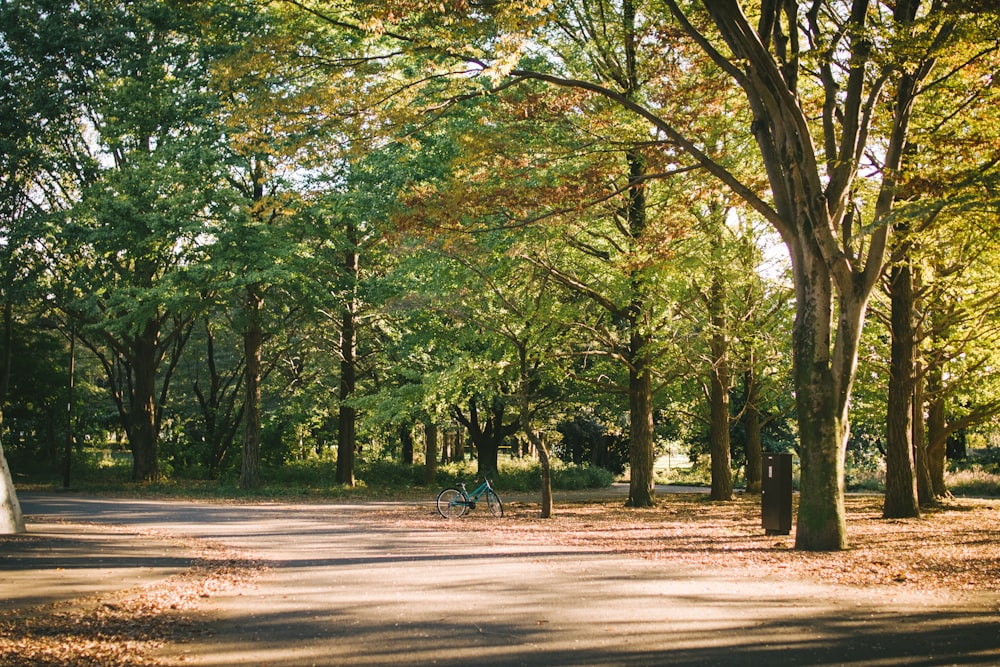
[[776, 494]]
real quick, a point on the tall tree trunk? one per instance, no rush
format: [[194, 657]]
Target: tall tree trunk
[[751, 429], [406, 442], [718, 398], [925, 488], [347, 420], [67, 462], [641, 492], [545, 463], [937, 434], [640, 390], [900, 480], [430, 453], [253, 344], [143, 430], [11, 519], [821, 400]]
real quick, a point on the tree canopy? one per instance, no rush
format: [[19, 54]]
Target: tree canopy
[[307, 228]]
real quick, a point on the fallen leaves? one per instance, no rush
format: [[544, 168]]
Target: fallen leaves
[[953, 548], [124, 630]]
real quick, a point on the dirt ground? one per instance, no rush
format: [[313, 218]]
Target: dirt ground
[[152, 587]]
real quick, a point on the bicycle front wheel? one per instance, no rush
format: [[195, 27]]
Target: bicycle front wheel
[[451, 503], [493, 500]]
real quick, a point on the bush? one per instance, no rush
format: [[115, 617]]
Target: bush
[[525, 475], [699, 473], [390, 474], [974, 480]]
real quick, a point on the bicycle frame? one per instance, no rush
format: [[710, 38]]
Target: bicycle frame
[[477, 493], [456, 501]]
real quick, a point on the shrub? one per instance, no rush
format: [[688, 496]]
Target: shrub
[[525, 475], [390, 474], [973, 480]]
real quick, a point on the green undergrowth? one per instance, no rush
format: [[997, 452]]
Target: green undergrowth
[[316, 479]]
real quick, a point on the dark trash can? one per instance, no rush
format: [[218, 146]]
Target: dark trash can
[[776, 494]]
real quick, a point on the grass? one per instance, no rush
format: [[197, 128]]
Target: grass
[[974, 481], [99, 473], [964, 480], [312, 479]]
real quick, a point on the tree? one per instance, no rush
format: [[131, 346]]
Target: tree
[[265, 252], [628, 211], [487, 429], [39, 80], [220, 410], [836, 256], [950, 161], [949, 184], [120, 260], [812, 184], [11, 519]]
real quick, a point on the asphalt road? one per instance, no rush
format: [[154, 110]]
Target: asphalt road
[[340, 589]]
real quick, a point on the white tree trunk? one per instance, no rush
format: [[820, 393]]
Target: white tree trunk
[[11, 520]]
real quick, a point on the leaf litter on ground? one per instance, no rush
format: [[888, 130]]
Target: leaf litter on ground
[[951, 550]]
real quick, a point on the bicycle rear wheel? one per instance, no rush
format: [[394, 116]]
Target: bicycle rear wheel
[[451, 503], [493, 500]]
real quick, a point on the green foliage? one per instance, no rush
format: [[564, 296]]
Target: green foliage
[[525, 475], [160, 158], [699, 473], [383, 473], [586, 440]]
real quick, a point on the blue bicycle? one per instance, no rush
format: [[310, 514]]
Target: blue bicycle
[[454, 502]]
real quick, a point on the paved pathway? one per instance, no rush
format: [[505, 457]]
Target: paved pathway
[[342, 590]]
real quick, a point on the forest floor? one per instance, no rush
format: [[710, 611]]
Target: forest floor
[[170, 588], [953, 548]]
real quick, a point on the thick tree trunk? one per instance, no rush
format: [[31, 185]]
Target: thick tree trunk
[[430, 453], [253, 343], [719, 441], [937, 434], [11, 519], [751, 429], [347, 420], [900, 480], [641, 484], [821, 406], [640, 389], [143, 429], [488, 433]]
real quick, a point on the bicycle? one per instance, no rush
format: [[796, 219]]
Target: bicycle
[[454, 502]]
